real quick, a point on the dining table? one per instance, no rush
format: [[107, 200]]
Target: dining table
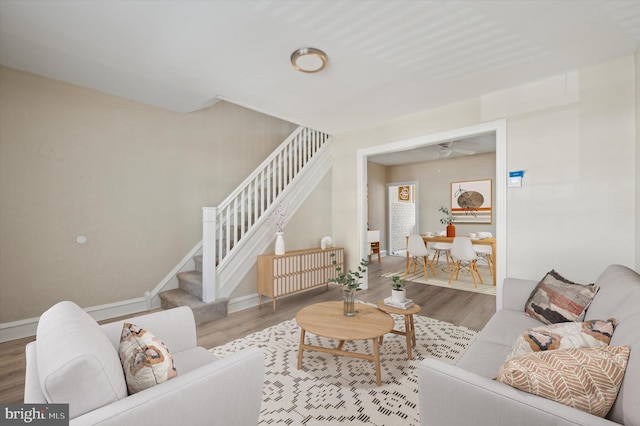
[[491, 241]]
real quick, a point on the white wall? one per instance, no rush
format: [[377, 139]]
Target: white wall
[[574, 136], [637, 92]]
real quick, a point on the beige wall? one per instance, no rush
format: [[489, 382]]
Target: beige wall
[[377, 200], [133, 179], [310, 223], [434, 187], [574, 136], [434, 179], [130, 177]]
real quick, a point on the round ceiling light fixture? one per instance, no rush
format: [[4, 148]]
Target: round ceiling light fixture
[[309, 59]]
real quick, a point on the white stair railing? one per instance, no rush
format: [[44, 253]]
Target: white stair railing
[[224, 227]]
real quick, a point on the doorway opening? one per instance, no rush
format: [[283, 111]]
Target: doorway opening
[[498, 128]]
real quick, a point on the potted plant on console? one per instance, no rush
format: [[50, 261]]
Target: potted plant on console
[[448, 220], [350, 282], [398, 292]]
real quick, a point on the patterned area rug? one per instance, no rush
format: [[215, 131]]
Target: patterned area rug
[[332, 389], [464, 281]]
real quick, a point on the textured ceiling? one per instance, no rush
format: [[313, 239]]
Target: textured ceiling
[[444, 150], [387, 59]]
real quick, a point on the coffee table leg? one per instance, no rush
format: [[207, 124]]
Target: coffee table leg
[[413, 329], [302, 332], [376, 355], [407, 333]]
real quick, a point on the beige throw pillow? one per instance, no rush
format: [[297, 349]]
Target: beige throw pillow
[[584, 378], [146, 361]]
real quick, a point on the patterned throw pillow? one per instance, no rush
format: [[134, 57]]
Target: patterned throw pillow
[[146, 361], [584, 378], [564, 335], [556, 299]]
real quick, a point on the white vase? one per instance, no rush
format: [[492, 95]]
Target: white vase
[[279, 244], [399, 295]]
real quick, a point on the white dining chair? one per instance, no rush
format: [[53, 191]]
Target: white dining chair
[[442, 248], [485, 252], [418, 253], [464, 255]]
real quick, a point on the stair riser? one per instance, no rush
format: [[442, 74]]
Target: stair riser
[[202, 312], [210, 313], [192, 288]]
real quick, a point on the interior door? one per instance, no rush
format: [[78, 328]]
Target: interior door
[[403, 215]]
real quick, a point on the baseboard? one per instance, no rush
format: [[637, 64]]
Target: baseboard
[[244, 302], [27, 327], [18, 329]]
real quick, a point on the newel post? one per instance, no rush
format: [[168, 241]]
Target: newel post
[[209, 254]]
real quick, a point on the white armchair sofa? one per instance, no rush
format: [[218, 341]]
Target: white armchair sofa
[[466, 394], [74, 360]]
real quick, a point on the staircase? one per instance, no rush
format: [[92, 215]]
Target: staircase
[[189, 293], [239, 229]]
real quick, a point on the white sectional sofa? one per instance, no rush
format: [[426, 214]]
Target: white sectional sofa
[[74, 360], [466, 394]]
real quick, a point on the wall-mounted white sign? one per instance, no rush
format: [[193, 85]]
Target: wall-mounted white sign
[[515, 178]]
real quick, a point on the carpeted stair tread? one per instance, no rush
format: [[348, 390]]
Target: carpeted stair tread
[[191, 282], [203, 312], [193, 276]]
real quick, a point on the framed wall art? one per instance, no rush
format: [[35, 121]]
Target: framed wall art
[[405, 194], [471, 201]]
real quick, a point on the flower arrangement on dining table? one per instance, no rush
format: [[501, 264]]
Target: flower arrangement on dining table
[[449, 218]]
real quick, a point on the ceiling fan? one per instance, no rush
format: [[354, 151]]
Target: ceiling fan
[[448, 148]]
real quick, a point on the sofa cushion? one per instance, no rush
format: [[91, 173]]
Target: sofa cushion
[[493, 343], [584, 378], [564, 335], [619, 296], [146, 361], [76, 362], [556, 299], [192, 359]]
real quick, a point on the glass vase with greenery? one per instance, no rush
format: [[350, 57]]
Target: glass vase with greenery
[[350, 282]]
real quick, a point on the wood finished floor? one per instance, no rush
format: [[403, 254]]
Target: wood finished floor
[[454, 306]]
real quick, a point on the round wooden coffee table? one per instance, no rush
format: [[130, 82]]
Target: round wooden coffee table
[[327, 320]]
